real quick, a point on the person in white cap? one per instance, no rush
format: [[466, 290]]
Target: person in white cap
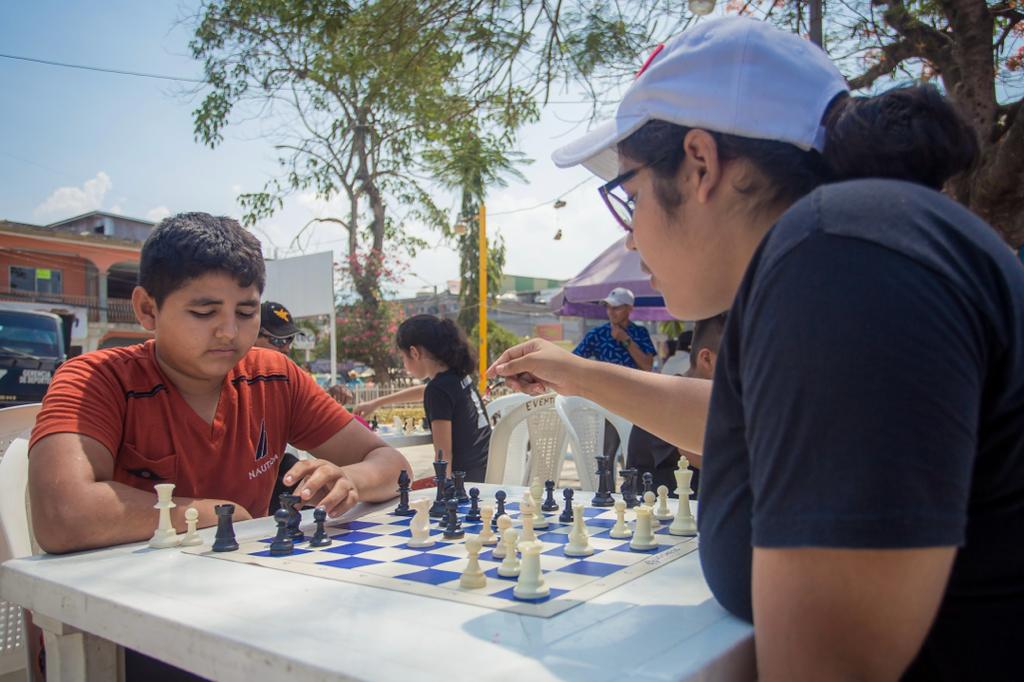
[[862, 493], [619, 341]]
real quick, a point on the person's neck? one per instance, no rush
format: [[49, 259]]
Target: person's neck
[[434, 368], [191, 388]]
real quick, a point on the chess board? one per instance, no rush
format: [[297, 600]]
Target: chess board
[[372, 550]]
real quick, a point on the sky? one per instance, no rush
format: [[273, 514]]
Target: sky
[[75, 141]]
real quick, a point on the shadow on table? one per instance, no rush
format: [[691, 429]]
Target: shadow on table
[[611, 641]]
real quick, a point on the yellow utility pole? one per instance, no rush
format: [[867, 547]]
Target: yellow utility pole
[[483, 299]]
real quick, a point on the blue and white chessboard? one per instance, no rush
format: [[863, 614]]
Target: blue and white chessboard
[[373, 551]]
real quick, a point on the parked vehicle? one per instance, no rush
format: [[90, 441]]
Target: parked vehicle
[[32, 347]]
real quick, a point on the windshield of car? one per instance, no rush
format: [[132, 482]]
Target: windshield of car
[[34, 335]]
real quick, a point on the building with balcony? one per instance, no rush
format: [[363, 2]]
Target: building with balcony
[[85, 266]]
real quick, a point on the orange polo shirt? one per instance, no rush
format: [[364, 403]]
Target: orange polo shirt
[[120, 397]]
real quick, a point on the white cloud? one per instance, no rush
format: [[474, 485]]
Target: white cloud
[[116, 208], [157, 214], [66, 202]]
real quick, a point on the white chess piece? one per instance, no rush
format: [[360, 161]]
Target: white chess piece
[[191, 537], [663, 513], [620, 530], [420, 524], [649, 501], [487, 536], [473, 577], [579, 541], [397, 425], [531, 583], [643, 537], [510, 564], [165, 535], [526, 508], [537, 493], [504, 524], [683, 523]]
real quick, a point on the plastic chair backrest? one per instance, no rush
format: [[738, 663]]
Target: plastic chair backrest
[[515, 461], [499, 407], [15, 530], [584, 421]]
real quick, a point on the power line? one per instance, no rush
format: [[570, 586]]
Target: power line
[[543, 203], [100, 69]]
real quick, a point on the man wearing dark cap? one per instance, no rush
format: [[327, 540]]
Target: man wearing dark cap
[[277, 330]]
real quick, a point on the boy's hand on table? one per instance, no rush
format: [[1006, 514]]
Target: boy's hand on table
[[322, 484]]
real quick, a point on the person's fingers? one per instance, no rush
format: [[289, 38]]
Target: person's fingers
[[321, 477], [515, 367], [300, 470], [514, 353], [340, 499]]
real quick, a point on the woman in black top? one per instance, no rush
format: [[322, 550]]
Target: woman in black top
[[436, 350]]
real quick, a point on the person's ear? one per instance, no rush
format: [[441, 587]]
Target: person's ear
[[705, 362], [702, 163], [145, 308], [414, 352]]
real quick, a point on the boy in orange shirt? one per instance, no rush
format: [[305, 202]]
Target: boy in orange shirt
[[197, 406]]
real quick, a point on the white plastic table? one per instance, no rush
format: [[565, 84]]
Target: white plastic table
[[231, 621]]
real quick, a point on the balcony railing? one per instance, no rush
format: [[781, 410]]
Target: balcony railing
[[119, 310]]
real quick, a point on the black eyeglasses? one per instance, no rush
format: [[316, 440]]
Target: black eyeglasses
[[620, 205], [276, 342]]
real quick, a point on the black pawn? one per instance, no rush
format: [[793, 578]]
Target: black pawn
[[320, 538], [648, 479], [374, 425], [225, 541], [603, 496], [566, 515], [437, 508], [288, 503], [282, 544], [549, 500], [460, 487], [453, 530], [500, 511], [473, 515], [403, 495]]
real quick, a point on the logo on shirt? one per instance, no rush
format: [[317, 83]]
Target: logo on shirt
[[261, 446], [260, 455]]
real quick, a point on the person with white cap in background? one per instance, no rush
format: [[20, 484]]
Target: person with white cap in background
[[862, 493], [618, 341]]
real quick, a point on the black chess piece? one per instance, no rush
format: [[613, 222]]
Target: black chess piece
[[320, 538], [500, 511], [566, 515], [453, 529], [282, 544], [603, 496], [224, 541], [449, 489], [473, 515], [628, 489], [460, 487], [403, 495], [374, 425], [648, 479], [549, 499], [437, 509], [288, 503]]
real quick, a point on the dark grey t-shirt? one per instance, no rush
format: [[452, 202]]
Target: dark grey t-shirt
[[449, 396], [869, 393]]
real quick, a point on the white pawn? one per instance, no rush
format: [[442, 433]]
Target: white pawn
[[531, 583], [473, 577], [191, 537], [643, 537], [526, 508], [620, 530], [579, 541], [165, 535], [663, 513], [510, 564], [683, 523], [504, 525], [487, 536], [537, 493], [649, 501], [420, 524]]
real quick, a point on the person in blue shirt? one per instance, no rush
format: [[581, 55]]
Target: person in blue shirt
[[620, 341]]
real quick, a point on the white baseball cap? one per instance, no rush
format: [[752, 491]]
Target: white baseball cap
[[619, 296], [731, 75]]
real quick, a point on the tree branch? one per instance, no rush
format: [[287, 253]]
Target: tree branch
[[892, 55]]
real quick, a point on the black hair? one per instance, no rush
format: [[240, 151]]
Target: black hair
[[442, 338], [189, 245], [908, 133], [707, 333]]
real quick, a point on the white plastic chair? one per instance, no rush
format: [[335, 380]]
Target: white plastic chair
[[515, 460], [499, 407], [15, 530], [584, 422]]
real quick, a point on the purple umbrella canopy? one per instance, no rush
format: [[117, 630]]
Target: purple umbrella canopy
[[615, 267]]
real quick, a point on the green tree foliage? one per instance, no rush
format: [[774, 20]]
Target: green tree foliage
[[499, 339]]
